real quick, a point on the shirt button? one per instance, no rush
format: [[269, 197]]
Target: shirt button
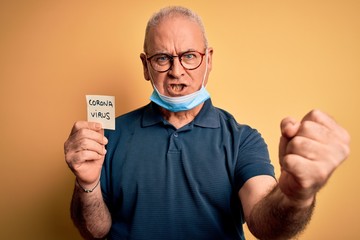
[[176, 134]]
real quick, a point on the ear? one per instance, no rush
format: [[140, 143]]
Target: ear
[[209, 59], [210, 53], [145, 66]]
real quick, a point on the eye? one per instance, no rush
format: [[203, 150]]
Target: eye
[[189, 56], [161, 58]]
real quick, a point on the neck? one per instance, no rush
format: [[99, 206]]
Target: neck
[[180, 119]]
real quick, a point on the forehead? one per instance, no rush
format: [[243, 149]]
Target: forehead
[[175, 34]]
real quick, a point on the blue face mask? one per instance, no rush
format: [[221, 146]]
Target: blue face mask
[[182, 103]]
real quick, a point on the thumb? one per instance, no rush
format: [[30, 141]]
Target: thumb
[[289, 127], [86, 125]]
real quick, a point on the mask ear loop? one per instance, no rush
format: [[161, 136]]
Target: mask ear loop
[[151, 77], [206, 67]]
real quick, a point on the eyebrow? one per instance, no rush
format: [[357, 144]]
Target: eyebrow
[[179, 53]]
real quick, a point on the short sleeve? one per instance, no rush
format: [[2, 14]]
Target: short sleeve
[[253, 157]]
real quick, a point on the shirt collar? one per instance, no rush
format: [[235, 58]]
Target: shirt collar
[[208, 116]]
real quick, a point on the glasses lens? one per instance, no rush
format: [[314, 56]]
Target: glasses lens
[[191, 60], [160, 62]]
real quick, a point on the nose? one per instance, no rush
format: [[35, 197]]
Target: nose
[[176, 70]]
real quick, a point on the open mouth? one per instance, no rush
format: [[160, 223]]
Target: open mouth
[[177, 87]]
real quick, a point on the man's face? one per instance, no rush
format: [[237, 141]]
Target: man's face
[[175, 36]]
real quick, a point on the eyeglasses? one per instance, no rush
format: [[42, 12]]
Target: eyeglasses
[[162, 62]]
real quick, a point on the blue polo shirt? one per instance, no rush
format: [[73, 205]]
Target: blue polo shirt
[[160, 182]]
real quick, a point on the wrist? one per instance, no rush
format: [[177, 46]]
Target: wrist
[[87, 188], [301, 203]]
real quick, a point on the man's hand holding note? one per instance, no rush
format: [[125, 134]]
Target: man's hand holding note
[[85, 148]]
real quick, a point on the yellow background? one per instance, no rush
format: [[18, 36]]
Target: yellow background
[[271, 59]]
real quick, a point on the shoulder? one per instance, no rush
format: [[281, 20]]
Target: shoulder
[[229, 122], [132, 115]]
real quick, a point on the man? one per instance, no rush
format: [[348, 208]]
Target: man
[[179, 168]]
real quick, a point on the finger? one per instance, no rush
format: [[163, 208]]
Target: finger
[[316, 131], [296, 177], [87, 156], [306, 148], [289, 127], [97, 136], [85, 125], [295, 165], [331, 132], [307, 173], [282, 148], [89, 145], [330, 155], [75, 160], [320, 117], [328, 122], [299, 167], [81, 141]]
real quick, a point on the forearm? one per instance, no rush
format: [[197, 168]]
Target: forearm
[[90, 214], [277, 217]]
